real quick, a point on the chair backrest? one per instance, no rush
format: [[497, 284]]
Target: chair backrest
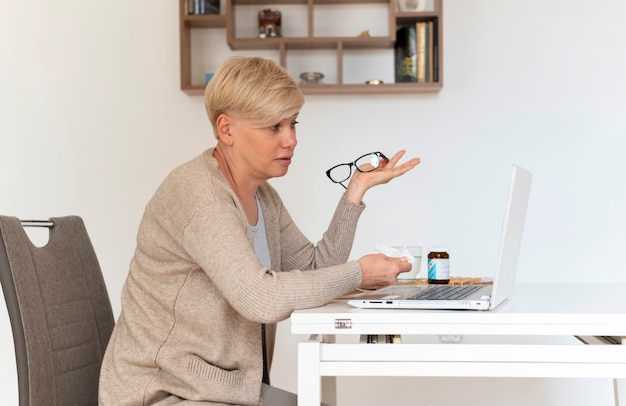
[[59, 309]]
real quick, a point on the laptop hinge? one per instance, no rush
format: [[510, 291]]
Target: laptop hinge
[[343, 323]]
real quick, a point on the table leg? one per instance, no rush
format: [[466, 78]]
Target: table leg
[[329, 383], [619, 385], [619, 388], [309, 380]]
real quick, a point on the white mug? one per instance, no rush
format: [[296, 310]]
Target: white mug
[[416, 252]]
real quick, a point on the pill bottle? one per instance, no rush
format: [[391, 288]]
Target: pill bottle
[[438, 266]]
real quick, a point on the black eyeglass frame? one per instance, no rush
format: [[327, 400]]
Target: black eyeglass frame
[[378, 154]]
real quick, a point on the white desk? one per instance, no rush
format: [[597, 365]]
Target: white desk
[[543, 311]]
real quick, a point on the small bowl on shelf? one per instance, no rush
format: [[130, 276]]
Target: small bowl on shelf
[[411, 6], [311, 78]]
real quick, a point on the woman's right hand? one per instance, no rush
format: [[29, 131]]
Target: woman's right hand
[[380, 270], [388, 170]]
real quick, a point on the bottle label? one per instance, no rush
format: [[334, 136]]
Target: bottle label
[[438, 268]]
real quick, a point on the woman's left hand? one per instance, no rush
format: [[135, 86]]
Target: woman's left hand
[[362, 181]]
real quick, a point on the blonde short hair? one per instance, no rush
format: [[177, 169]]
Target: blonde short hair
[[253, 89]]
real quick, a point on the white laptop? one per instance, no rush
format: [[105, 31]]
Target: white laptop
[[473, 297]]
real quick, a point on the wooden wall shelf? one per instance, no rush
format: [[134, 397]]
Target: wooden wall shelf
[[282, 45]]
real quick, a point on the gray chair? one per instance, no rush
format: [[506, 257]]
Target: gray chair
[[59, 309]]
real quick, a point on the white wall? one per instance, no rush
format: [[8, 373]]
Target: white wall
[[91, 120]]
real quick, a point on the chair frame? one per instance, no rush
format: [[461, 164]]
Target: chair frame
[[15, 316]]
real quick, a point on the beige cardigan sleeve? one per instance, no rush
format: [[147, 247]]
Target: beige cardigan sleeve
[[218, 239]]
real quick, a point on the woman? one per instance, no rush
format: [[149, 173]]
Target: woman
[[219, 260]]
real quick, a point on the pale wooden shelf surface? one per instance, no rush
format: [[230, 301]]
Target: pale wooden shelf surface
[[311, 43], [278, 2], [205, 21], [386, 88]]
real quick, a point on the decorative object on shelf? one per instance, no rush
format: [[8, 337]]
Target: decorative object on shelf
[[269, 23], [364, 34], [202, 7], [405, 54], [411, 5], [311, 78], [374, 82]]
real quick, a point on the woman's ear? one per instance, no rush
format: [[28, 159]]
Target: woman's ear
[[223, 125]]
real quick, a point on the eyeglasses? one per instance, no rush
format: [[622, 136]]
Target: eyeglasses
[[366, 163]]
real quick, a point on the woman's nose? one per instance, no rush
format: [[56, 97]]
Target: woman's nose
[[290, 140]]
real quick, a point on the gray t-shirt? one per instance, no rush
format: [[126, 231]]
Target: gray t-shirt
[[260, 239]]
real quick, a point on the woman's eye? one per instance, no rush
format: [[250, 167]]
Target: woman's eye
[[276, 128]]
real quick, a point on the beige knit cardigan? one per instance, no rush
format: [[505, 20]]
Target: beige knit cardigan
[[196, 296]]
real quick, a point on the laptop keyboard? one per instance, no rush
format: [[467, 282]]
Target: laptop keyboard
[[446, 292]]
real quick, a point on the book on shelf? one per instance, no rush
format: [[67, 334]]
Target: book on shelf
[[421, 51], [435, 50], [405, 55], [430, 56], [202, 7]]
